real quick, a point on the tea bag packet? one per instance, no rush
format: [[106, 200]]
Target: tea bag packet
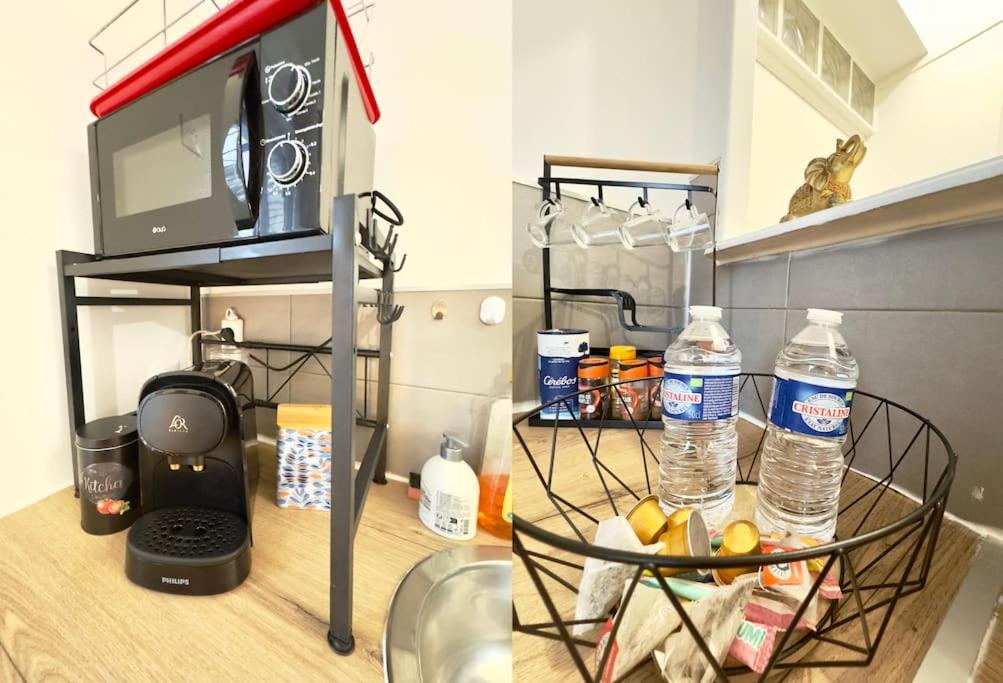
[[648, 617], [602, 581], [773, 609], [829, 587], [790, 580], [717, 618]]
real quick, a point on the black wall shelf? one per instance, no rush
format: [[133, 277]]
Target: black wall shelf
[[625, 302]]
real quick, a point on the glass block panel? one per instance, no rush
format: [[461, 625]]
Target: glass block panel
[[800, 32], [862, 98], [835, 69], [768, 10]]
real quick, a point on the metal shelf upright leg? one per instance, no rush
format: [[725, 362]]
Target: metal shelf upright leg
[[71, 352], [195, 297], [383, 382], [344, 301]]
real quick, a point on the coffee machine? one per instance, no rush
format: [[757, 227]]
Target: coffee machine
[[197, 470]]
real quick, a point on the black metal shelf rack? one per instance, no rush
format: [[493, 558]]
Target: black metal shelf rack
[[625, 303], [343, 257]]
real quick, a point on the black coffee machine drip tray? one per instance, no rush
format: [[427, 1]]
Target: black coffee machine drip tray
[[192, 550]]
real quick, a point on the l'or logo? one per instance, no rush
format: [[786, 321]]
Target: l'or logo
[[177, 424]]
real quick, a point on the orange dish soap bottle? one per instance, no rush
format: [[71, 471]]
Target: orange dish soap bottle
[[494, 513]]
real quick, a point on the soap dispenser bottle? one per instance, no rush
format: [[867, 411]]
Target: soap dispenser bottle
[[449, 492]]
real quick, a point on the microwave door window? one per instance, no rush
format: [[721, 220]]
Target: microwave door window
[[169, 168]]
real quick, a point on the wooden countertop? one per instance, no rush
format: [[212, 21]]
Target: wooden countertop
[[67, 611], [910, 631]]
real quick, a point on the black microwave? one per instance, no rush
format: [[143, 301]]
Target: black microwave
[[253, 144]]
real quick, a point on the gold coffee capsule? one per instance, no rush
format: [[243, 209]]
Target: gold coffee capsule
[[679, 516], [647, 519], [688, 539], [815, 564], [740, 539]]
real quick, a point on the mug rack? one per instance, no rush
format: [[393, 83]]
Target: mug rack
[[549, 183], [342, 257]]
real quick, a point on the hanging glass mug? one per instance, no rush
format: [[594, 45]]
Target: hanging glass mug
[[549, 227], [645, 226], [598, 226], [691, 231]]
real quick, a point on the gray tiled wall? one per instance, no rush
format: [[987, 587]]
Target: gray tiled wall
[[923, 314], [653, 276], [444, 376]]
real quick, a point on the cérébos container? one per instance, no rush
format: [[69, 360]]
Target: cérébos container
[[558, 353]]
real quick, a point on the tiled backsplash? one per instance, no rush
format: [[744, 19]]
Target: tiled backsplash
[[923, 313], [444, 375]]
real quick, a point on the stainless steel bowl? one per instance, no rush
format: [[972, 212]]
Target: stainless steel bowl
[[450, 619]]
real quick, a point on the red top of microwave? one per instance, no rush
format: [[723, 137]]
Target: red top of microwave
[[235, 23]]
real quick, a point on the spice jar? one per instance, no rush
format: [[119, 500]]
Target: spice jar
[[593, 397], [617, 354], [656, 370], [631, 399]]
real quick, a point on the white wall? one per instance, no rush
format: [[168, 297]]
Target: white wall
[[938, 115], [47, 207], [787, 133], [597, 78], [442, 77], [941, 115]]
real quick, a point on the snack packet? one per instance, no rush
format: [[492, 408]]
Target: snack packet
[[647, 619], [753, 644], [602, 582]]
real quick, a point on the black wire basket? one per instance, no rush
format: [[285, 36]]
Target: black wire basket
[[568, 478]]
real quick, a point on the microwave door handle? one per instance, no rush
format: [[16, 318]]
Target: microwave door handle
[[239, 180]]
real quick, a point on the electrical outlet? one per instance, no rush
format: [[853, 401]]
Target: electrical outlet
[[230, 320]]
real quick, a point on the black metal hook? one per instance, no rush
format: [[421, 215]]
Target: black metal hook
[[400, 266], [387, 312], [396, 219]]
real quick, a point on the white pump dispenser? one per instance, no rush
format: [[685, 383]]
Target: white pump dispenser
[[449, 492]]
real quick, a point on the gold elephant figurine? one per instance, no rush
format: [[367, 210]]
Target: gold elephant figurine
[[827, 181]]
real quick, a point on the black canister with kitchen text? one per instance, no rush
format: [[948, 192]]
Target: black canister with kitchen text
[[108, 463]]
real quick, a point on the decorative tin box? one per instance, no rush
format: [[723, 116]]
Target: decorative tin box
[[304, 456]]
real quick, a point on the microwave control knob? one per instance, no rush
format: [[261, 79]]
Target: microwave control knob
[[289, 87], [287, 162]]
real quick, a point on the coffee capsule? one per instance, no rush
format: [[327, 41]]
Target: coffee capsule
[[740, 539], [679, 516], [688, 539], [647, 519]]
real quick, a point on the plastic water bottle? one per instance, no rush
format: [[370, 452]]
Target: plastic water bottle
[[802, 459], [699, 411]]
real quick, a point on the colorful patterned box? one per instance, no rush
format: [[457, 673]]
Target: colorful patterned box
[[304, 456]]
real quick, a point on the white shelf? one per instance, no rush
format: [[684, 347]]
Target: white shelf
[[966, 195]]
